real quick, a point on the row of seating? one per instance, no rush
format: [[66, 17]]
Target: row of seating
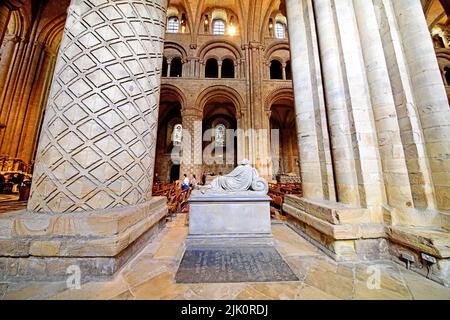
[[177, 199], [278, 192]]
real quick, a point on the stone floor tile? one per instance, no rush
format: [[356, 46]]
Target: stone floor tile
[[424, 289], [391, 284], [161, 287], [215, 291], [96, 290], [34, 290], [144, 268], [312, 293], [271, 291], [127, 295], [290, 244], [331, 279]]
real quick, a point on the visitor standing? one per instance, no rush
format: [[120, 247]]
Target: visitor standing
[[193, 183], [203, 178], [185, 185]]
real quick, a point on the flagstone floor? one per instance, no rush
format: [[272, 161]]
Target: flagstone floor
[[150, 275], [10, 202]]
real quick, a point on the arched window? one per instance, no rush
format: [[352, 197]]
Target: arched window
[[177, 134], [276, 70], [173, 25], [164, 67], [211, 69], [220, 133], [288, 71], [219, 27], [176, 68], [228, 69], [280, 30]]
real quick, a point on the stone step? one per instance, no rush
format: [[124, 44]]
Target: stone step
[[337, 231], [331, 212], [433, 241]]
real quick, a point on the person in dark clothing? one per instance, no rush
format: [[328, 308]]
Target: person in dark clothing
[[203, 178]]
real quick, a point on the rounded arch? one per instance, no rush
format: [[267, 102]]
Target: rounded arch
[[212, 56], [18, 23], [277, 46], [208, 46], [174, 50], [217, 92], [170, 90], [51, 34], [278, 95]]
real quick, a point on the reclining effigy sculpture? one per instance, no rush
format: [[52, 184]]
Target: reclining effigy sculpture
[[243, 178]]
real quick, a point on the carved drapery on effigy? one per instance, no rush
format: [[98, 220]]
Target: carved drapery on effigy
[[243, 178], [97, 145]]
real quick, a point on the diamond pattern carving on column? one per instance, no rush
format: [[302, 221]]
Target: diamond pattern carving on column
[[97, 145]]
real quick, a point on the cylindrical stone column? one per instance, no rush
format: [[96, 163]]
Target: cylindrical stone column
[[169, 67], [192, 145], [6, 58], [429, 93], [339, 117], [219, 65], [97, 146], [396, 180], [316, 167]]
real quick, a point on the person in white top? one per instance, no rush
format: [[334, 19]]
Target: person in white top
[[185, 185]]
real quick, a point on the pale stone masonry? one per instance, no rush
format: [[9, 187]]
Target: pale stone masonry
[[367, 101], [91, 201], [388, 118]]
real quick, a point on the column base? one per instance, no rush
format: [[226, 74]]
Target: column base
[[40, 247], [342, 232], [346, 234]]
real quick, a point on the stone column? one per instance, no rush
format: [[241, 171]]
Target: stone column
[[408, 118], [91, 203], [219, 68], [316, 167], [97, 146], [6, 59], [283, 70], [355, 152], [10, 87], [429, 93], [169, 67], [5, 14], [192, 146], [35, 108], [395, 173]]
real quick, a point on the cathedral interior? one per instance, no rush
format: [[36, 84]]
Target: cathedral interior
[[106, 104]]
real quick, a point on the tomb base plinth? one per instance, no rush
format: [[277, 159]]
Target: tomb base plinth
[[229, 218]]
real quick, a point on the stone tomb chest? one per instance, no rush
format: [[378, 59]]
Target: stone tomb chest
[[233, 206]]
